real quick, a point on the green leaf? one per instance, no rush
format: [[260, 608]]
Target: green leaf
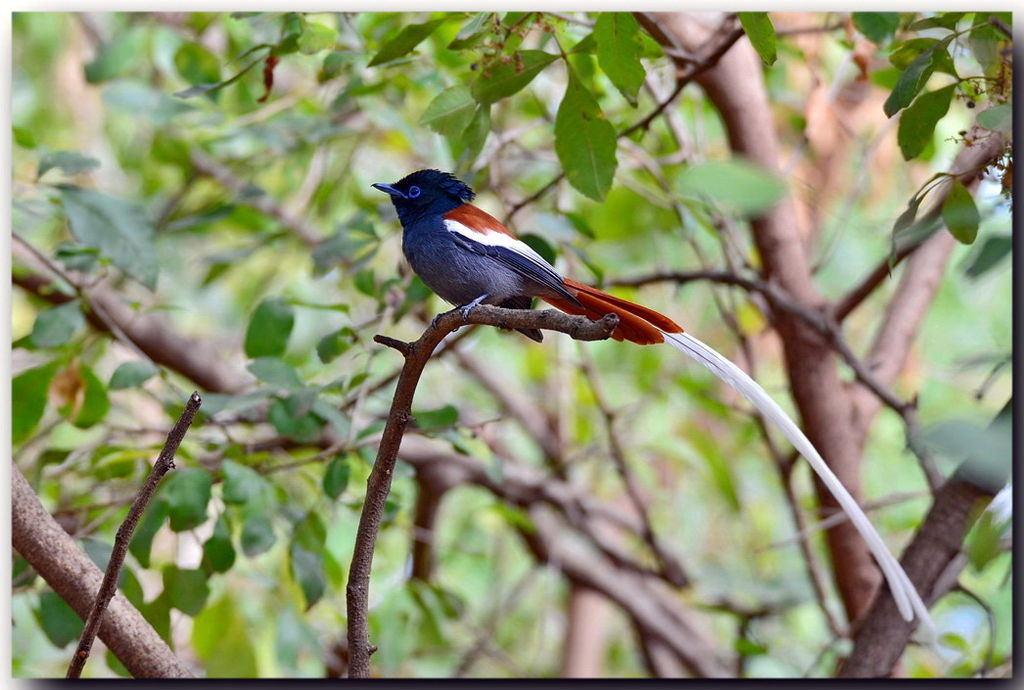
[[906, 52], [186, 589], [997, 118], [335, 344], [276, 372], [366, 283], [132, 374], [745, 647], [913, 78], [23, 137], [540, 245], [878, 27], [407, 39], [587, 45], [269, 328], [257, 534], [336, 476], [310, 532], [960, 214], [618, 52], [944, 20], [120, 230], [95, 403], [196, 64], [333, 64], [152, 521], [187, 492], [917, 123], [116, 58], [307, 568], [56, 325], [993, 250], [293, 417], [450, 112], [158, 614], [75, 257], [292, 635], [472, 33], [906, 219], [509, 74], [983, 544], [218, 552], [984, 41], [467, 147], [69, 162], [581, 224], [59, 621], [735, 183], [761, 33], [241, 484], [585, 141], [316, 37], [221, 640], [440, 418]]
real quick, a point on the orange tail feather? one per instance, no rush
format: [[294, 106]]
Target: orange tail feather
[[637, 324]]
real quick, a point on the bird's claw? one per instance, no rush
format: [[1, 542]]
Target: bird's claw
[[467, 308]]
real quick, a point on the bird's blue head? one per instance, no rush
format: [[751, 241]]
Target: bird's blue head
[[426, 192]]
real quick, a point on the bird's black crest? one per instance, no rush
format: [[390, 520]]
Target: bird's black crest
[[444, 181]]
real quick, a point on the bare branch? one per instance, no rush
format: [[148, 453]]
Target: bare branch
[[164, 464], [75, 578], [150, 334], [378, 484]]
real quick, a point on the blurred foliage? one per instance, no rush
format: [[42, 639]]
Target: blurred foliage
[[214, 170]]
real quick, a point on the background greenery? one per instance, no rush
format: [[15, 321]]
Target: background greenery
[[215, 169]]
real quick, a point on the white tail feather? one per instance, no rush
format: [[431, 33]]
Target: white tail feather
[[903, 591]]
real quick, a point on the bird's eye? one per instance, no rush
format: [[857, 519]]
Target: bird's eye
[[413, 192]]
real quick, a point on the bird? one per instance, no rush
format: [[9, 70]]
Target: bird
[[468, 257]]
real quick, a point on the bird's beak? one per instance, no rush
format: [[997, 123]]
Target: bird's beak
[[388, 188]]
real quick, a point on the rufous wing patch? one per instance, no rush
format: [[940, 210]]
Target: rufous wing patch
[[477, 219]]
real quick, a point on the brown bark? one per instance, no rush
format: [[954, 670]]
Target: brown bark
[[192, 358], [883, 633], [76, 579], [736, 87]]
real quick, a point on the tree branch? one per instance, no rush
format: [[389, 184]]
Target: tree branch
[[378, 484], [164, 464], [75, 578], [735, 86], [150, 333]]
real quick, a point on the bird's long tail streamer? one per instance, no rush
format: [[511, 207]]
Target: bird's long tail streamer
[[904, 593]]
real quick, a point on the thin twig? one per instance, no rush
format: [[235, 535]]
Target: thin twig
[[671, 570], [207, 166], [164, 463], [826, 326], [378, 485]]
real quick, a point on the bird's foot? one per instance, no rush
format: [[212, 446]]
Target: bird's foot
[[466, 309]]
